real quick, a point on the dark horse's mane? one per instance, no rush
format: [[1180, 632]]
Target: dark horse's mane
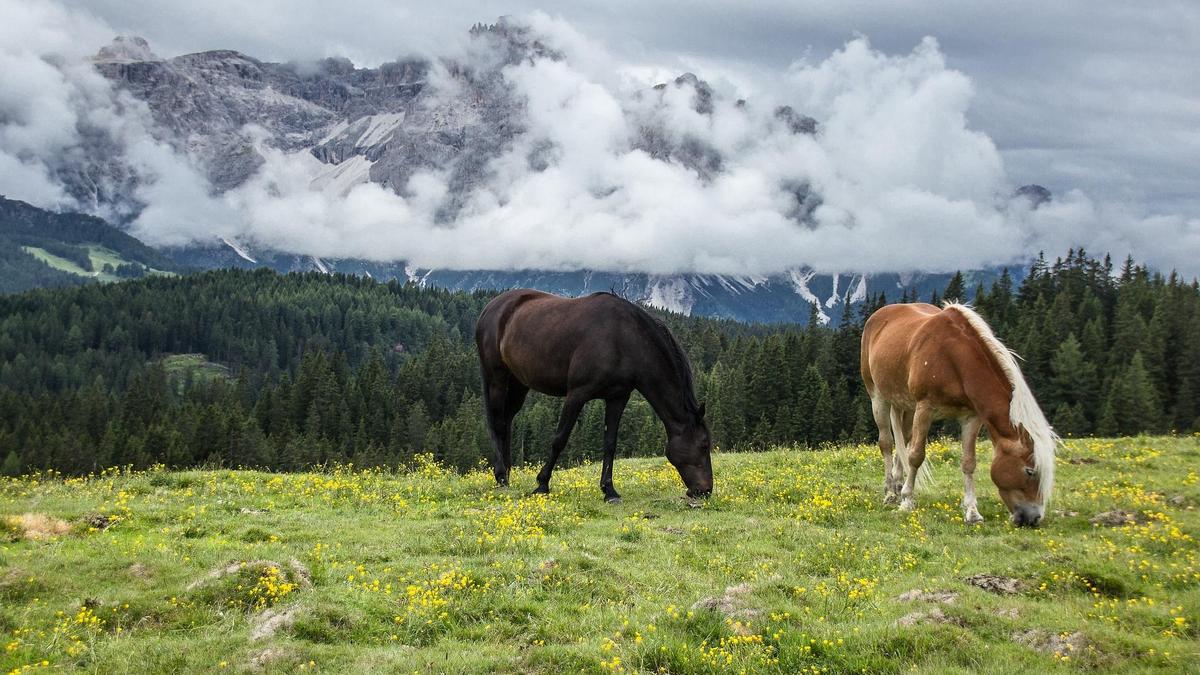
[[669, 346]]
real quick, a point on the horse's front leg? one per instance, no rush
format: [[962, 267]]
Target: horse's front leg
[[613, 409], [921, 420], [566, 422], [970, 432]]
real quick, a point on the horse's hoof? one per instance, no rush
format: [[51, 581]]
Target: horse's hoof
[[973, 518], [612, 500], [540, 490], [908, 505], [891, 498]]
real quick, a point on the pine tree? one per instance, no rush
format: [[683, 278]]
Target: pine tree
[[11, 465], [956, 289], [1069, 420], [1073, 381], [1133, 401]]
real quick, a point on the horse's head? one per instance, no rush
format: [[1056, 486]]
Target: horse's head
[[690, 452], [1016, 474]]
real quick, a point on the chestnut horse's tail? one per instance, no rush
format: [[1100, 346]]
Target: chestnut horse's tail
[[924, 475]]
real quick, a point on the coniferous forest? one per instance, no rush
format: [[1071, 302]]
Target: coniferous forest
[[237, 368]]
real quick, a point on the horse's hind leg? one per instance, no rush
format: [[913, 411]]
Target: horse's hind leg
[[970, 432], [566, 421], [881, 411], [504, 399], [613, 409]]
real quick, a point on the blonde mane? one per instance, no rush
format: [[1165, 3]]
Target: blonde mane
[[1024, 411]]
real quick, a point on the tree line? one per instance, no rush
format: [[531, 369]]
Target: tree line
[[332, 368]]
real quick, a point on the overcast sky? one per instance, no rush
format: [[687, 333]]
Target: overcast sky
[[929, 118], [1100, 95]]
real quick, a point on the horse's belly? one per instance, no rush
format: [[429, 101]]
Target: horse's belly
[[543, 368]]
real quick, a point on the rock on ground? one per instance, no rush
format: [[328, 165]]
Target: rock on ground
[[1118, 518], [1062, 644], [918, 595], [271, 621], [996, 584]]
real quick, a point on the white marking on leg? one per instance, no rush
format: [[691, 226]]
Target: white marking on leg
[[970, 432]]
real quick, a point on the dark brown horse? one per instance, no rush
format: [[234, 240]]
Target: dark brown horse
[[598, 346], [922, 363]]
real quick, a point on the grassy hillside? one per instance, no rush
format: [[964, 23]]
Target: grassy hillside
[[793, 566], [99, 257], [40, 248]]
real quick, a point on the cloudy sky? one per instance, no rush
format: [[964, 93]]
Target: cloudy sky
[[1096, 100], [1100, 95]]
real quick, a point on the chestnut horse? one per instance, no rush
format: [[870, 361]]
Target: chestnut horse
[[921, 363], [597, 346]]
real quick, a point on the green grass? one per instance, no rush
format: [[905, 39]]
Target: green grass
[[795, 562], [100, 257]]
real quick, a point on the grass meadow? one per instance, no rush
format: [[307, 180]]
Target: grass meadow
[[795, 565]]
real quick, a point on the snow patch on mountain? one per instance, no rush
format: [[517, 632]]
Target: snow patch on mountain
[[833, 297], [800, 279], [379, 128], [673, 294], [860, 291], [239, 250], [341, 178]]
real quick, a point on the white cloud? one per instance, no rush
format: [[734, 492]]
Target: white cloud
[[906, 182]]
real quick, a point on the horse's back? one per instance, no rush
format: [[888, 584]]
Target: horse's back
[[915, 352], [883, 359], [538, 336]]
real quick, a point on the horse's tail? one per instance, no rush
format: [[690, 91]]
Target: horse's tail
[[923, 474]]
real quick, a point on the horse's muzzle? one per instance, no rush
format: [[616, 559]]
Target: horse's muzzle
[[1027, 515]]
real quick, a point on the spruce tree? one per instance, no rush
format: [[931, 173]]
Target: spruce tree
[[11, 465], [956, 289]]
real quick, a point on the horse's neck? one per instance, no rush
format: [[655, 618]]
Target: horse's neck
[[998, 422], [990, 394], [668, 403]]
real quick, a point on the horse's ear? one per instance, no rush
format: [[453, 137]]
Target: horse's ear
[[700, 411]]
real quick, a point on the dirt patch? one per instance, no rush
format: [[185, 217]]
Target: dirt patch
[[271, 621], [918, 595], [252, 512], [1118, 518], [266, 657], [140, 571], [1178, 501], [731, 603], [1083, 460], [673, 530], [35, 526], [1007, 612], [1060, 644], [995, 584]]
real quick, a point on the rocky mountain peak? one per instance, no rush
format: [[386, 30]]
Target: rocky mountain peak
[[126, 49], [1036, 194]]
